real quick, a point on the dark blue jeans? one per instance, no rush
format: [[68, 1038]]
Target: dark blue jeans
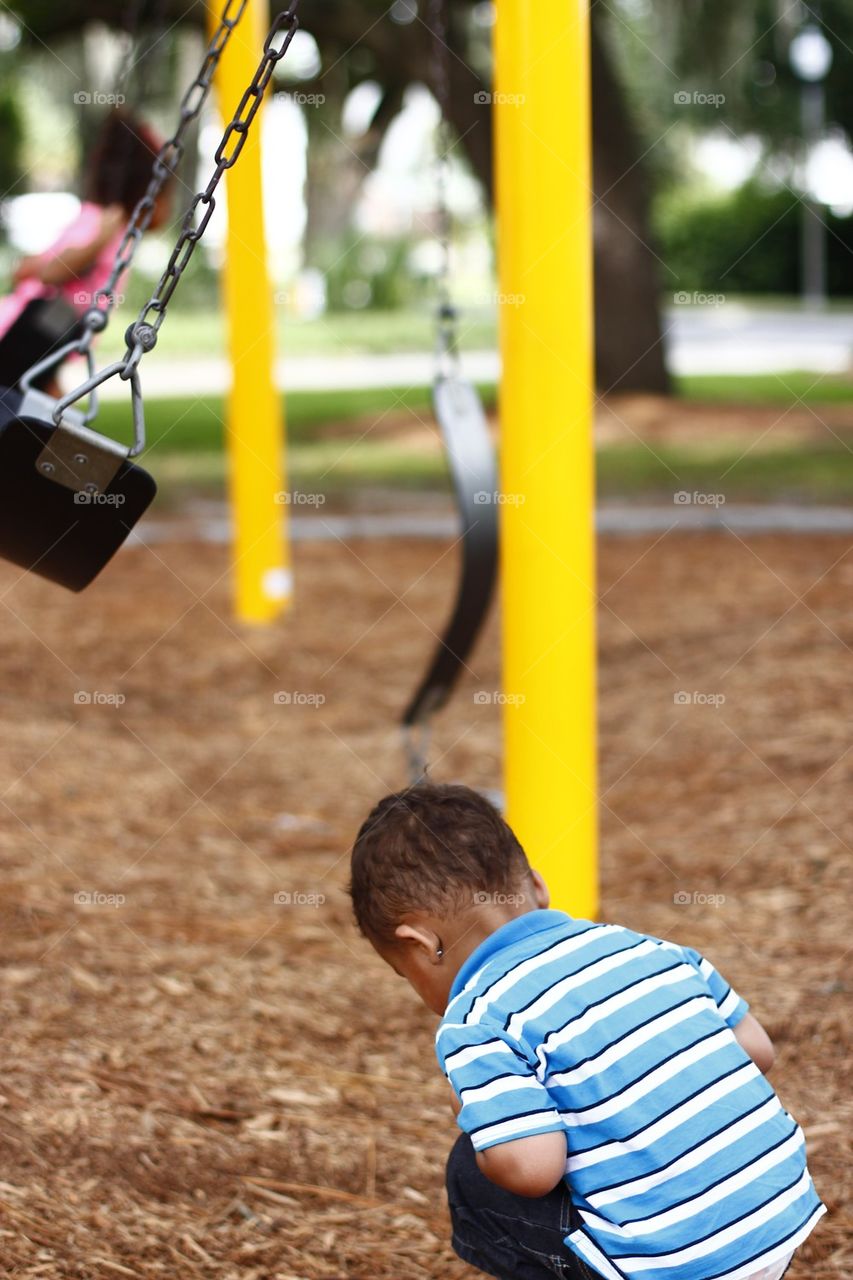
[[509, 1236]]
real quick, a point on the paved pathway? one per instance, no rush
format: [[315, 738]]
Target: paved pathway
[[701, 338], [613, 518]]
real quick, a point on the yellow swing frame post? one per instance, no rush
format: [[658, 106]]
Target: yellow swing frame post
[[541, 107], [255, 418]]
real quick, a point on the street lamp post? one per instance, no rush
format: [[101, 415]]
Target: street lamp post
[[811, 58]]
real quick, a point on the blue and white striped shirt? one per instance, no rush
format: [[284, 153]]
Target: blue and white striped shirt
[[682, 1164]]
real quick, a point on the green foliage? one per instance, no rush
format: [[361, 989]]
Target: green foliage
[[736, 49], [11, 138], [745, 241], [368, 274]]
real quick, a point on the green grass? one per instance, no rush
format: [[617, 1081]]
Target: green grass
[[767, 388], [202, 333], [186, 436], [187, 424], [802, 475], [798, 473]]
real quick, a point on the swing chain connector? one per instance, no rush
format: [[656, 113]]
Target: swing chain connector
[[447, 340], [140, 337], [416, 738]]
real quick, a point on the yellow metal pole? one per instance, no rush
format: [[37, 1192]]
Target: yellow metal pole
[[255, 433], [543, 156]]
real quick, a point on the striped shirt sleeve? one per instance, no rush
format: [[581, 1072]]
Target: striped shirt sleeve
[[501, 1098], [732, 1007]]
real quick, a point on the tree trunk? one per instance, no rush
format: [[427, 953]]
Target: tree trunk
[[628, 335]]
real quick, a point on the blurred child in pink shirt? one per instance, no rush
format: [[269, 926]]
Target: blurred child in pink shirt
[[52, 290]]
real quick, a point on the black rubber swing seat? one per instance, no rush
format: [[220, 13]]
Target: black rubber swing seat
[[471, 459], [69, 498]]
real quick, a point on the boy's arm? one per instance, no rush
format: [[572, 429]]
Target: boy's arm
[[528, 1166], [752, 1037], [734, 1010]]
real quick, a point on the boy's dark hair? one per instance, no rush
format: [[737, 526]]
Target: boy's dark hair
[[430, 848], [119, 167]]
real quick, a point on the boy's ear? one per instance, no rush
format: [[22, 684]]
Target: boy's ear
[[420, 937], [541, 892]]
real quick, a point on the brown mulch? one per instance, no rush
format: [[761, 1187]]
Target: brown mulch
[[201, 1081]]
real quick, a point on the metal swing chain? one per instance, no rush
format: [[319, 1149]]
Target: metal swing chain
[[128, 62], [447, 339], [97, 317], [142, 334], [416, 736]]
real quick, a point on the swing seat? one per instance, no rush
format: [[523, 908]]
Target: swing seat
[[471, 459], [68, 496]]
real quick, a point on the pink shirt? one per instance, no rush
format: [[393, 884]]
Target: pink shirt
[[80, 290]]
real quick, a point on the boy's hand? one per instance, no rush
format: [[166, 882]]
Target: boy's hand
[[528, 1166]]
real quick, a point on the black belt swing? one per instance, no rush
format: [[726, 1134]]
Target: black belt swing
[[69, 496], [471, 461]]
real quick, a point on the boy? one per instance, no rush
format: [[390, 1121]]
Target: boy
[[616, 1121]]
